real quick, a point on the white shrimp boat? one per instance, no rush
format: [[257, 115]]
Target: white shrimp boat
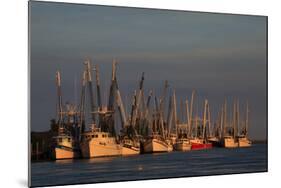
[[96, 143], [183, 144], [155, 144]]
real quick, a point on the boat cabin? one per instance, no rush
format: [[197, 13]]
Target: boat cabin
[[63, 140]]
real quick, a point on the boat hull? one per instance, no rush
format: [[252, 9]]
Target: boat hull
[[198, 146], [64, 153], [170, 148], [182, 146], [230, 143], [244, 142], [94, 148], [215, 142], [155, 146], [130, 150]]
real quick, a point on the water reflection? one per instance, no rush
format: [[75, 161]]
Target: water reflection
[[174, 164], [100, 159], [64, 161]]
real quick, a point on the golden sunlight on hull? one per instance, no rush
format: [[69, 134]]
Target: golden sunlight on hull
[[244, 142], [229, 142], [95, 148], [155, 145], [61, 153], [130, 150], [183, 146]]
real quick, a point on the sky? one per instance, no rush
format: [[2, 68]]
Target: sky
[[219, 55]]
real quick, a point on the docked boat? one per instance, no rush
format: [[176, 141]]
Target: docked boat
[[64, 145], [201, 142], [130, 146], [63, 148], [170, 145], [183, 144], [215, 141], [171, 142], [96, 143], [198, 144], [243, 141], [229, 142], [155, 144]]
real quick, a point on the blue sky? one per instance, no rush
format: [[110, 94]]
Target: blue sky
[[217, 54]]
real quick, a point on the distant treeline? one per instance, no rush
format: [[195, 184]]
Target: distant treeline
[[259, 141], [41, 142]]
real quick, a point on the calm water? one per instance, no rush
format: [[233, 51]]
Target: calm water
[[151, 166]]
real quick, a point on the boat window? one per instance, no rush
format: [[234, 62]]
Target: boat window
[[68, 139], [60, 139]]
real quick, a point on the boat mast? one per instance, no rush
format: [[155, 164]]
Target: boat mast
[[134, 101], [196, 120], [147, 118], [170, 116], [112, 85], [59, 94], [238, 118], [138, 100], [234, 118], [175, 112], [120, 105], [247, 119], [225, 117], [82, 102], [147, 104], [161, 120], [162, 106], [221, 123], [156, 118], [181, 112], [96, 69], [190, 115], [163, 98], [209, 121], [187, 117], [204, 119], [90, 86]]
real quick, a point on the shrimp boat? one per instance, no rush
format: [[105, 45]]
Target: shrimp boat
[[229, 138], [243, 140], [64, 144], [63, 148], [171, 142], [97, 143], [229, 142], [201, 142], [130, 146], [155, 144], [100, 140], [183, 144], [214, 140], [197, 144]]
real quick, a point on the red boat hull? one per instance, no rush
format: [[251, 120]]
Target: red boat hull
[[198, 146]]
